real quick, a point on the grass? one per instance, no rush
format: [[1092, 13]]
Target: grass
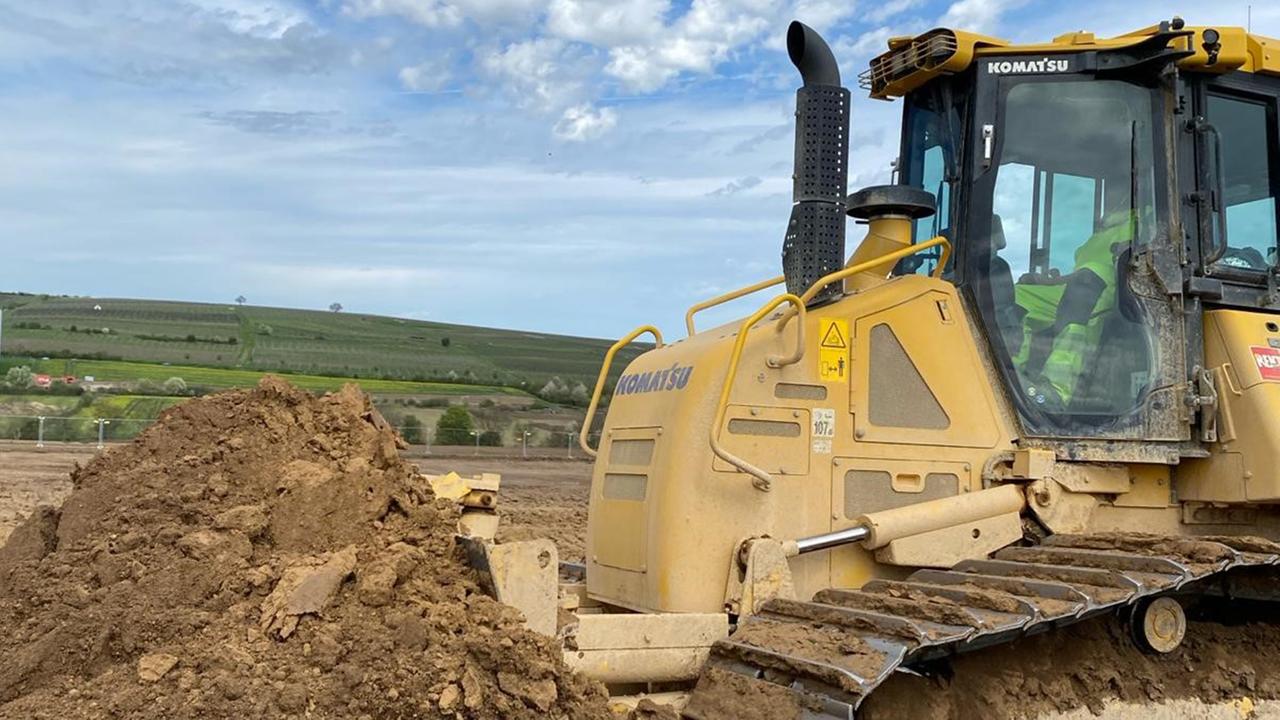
[[314, 345]]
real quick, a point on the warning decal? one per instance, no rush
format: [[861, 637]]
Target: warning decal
[[832, 338], [833, 350], [1268, 361]]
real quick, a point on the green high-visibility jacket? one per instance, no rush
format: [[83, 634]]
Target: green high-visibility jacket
[[1063, 369]]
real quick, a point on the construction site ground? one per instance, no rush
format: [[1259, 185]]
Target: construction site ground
[[1084, 672]]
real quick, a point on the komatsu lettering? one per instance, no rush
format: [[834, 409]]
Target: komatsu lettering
[[1026, 67], [673, 378]]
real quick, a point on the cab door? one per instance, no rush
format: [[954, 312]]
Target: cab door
[[1070, 201]]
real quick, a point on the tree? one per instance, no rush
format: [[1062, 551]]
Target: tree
[[336, 307], [240, 300], [579, 395], [491, 438], [411, 429], [175, 386], [19, 377], [454, 427], [555, 390], [445, 341]]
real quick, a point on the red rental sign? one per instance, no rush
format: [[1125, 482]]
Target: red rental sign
[[1268, 361]]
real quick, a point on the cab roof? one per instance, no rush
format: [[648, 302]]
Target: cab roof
[[911, 61]]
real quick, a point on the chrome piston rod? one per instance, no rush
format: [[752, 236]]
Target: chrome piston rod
[[854, 534], [880, 528]]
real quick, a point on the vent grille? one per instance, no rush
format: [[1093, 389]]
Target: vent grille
[[764, 428], [631, 452], [925, 52], [799, 391], [625, 486]]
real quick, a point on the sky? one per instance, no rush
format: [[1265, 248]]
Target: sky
[[569, 166]]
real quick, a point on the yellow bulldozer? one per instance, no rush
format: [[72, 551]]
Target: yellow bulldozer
[[1044, 387]]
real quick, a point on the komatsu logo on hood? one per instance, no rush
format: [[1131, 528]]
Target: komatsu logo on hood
[[1027, 67], [673, 378]]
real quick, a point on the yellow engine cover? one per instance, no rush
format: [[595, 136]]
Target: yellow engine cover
[[891, 405]]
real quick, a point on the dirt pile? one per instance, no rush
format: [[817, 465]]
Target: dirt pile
[[1229, 652], [262, 554]]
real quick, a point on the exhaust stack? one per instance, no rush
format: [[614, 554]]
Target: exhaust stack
[[814, 244]]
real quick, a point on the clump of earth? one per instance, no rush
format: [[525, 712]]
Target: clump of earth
[[263, 554]]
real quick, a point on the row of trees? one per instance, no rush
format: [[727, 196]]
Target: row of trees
[[21, 377], [557, 390], [456, 426]]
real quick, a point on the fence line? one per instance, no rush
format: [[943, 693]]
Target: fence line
[[99, 431]]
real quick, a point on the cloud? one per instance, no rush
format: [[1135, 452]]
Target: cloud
[[982, 16], [584, 122], [543, 73], [696, 42], [607, 23], [446, 13], [734, 187], [777, 132], [428, 76], [272, 122], [886, 10], [258, 18]]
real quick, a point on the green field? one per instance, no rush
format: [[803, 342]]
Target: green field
[[313, 344]]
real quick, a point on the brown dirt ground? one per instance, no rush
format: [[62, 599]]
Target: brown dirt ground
[[263, 554], [31, 477], [1230, 659]]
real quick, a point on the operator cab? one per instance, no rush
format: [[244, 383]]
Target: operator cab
[[1099, 193]]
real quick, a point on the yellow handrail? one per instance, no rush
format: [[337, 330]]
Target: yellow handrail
[[733, 295], [761, 479], [894, 256], [604, 375]]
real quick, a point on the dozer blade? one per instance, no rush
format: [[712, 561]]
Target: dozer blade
[[832, 652]]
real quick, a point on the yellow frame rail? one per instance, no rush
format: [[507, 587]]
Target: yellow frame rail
[[722, 299], [761, 479], [604, 375], [843, 273]]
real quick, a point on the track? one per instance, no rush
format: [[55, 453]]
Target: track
[[834, 651]]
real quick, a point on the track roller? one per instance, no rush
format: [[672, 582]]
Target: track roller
[[1158, 625]]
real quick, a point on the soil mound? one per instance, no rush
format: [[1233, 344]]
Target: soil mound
[[262, 554]]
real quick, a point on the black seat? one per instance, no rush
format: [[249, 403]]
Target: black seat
[[1000, 280]]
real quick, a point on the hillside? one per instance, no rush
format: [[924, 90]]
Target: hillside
[[297, 341]]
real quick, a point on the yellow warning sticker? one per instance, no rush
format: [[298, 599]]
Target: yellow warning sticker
[[833, 350]]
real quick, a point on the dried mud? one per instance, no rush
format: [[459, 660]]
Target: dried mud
[[1229, 653], [262, 554]]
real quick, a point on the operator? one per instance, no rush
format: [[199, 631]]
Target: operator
[[1065, 313]]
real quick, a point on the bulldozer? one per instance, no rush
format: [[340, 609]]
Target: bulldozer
[[1044, 387]]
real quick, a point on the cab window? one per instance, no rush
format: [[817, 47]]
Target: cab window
[[930, 162], [1072, 197], [1246, 134]]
